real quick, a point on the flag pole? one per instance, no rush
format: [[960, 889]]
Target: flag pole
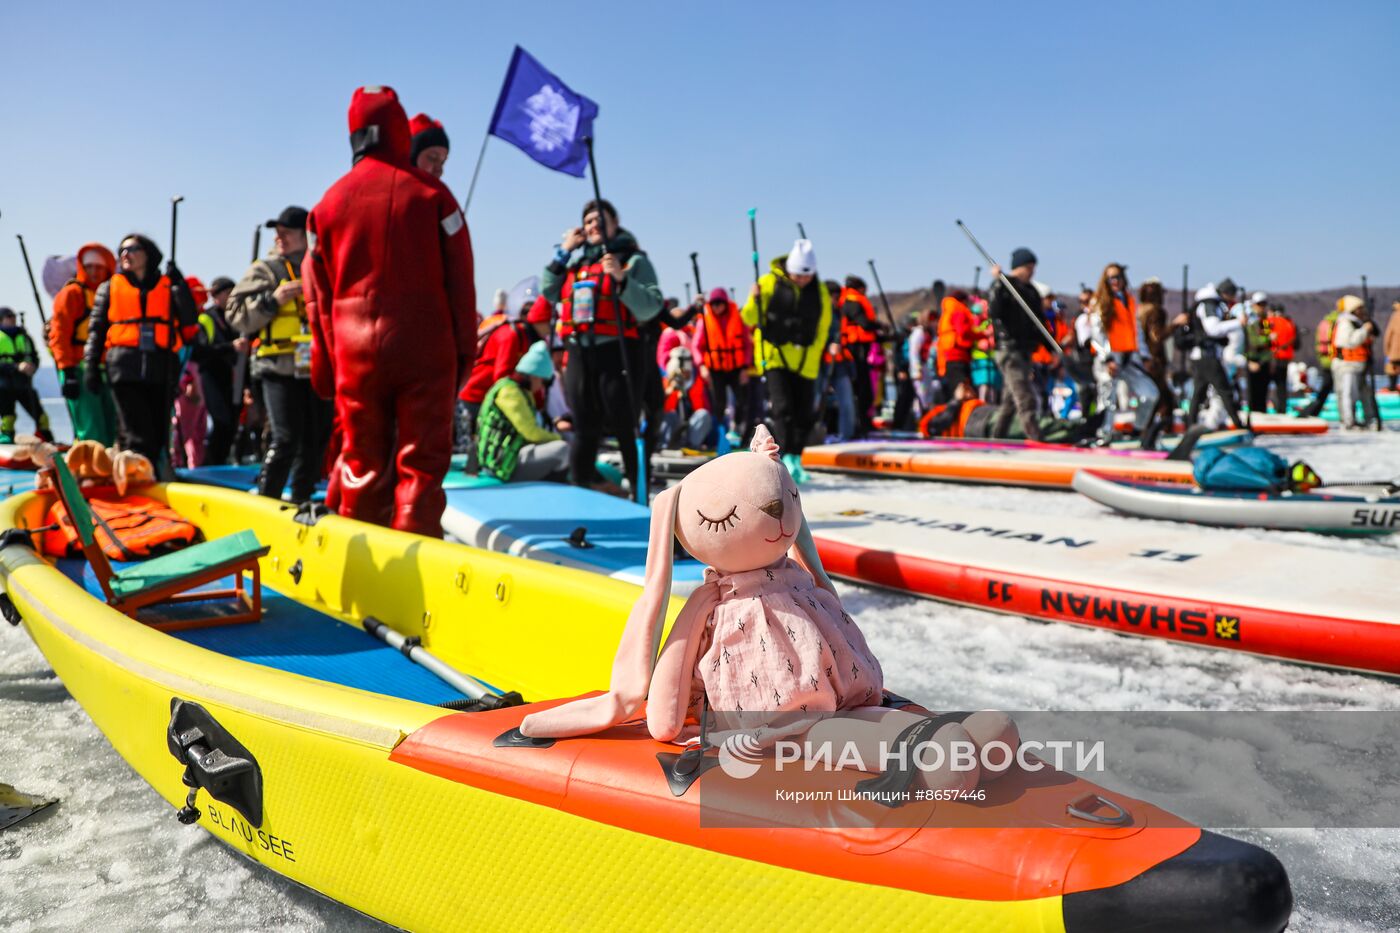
[[640, 492], [476, 171]]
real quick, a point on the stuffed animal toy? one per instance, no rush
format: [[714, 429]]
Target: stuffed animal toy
[[94, 465], [765, 633]]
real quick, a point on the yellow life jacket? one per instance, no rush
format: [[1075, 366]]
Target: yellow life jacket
[[288, 328]]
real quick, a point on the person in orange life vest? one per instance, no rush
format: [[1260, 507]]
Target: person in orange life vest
[[858, 333], [686, 420], [950, 419], [392, 306], [724, 346], [428, 145], [1113, 320], [1351, 342], [837, 374], [607, 285], [956, 338], [138, 318], [268, 305], [92, 415], [1283, 336]]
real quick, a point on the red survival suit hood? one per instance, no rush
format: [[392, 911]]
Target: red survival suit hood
[[379, 125]]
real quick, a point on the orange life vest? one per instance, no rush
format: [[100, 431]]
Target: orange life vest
[[724, 339], [607, 308], [955, 430], [954, 343], [852, 333], [1283, 336], [1326, 329], [1357, 354], [143, 528], [129, 310], [1122, 329]]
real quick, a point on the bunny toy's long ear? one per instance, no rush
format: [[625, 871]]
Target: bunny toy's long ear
[[636, 653], [804, 551]]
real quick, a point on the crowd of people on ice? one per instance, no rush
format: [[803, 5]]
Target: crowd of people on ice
[[354, 351]]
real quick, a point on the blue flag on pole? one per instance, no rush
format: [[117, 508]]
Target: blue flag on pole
[[539, 114]]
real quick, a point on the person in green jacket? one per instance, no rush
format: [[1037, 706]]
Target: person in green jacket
[[789, 310], [19, 359], [511, 444]]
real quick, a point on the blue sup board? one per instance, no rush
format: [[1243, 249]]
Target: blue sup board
[[542, 521]]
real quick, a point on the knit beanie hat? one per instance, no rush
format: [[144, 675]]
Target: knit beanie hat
[[802, 260], [536, 361], [718, 295], [540, 312], [427, 132], [1022, 257]]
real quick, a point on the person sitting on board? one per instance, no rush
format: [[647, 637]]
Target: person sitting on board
[[19, 360], [686, 420], [511, 444], [501, 340], [967, 416]]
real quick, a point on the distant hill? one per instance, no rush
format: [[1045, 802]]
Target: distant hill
[[1305, 308]]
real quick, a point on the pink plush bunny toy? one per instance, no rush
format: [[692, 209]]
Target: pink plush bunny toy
[[765, 633]]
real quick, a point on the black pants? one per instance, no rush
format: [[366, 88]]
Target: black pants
[[790, 401], [722, 385], [598, 397], [1278, 373], [955, 372], [1205, 373], [301, 427], [1323, 390], [216, 382], [903, 402], [862, 389], [143, 418], [1257, 382], [20, 389]]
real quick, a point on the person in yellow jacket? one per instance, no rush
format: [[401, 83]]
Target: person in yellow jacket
[[790, 312], [267, 305]]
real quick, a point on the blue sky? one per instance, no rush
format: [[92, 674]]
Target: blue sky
[[1258, 140]]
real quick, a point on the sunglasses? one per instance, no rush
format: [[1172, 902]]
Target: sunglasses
[[133, 248]]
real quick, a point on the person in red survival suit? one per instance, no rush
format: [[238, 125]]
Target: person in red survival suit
[[392, 308]]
